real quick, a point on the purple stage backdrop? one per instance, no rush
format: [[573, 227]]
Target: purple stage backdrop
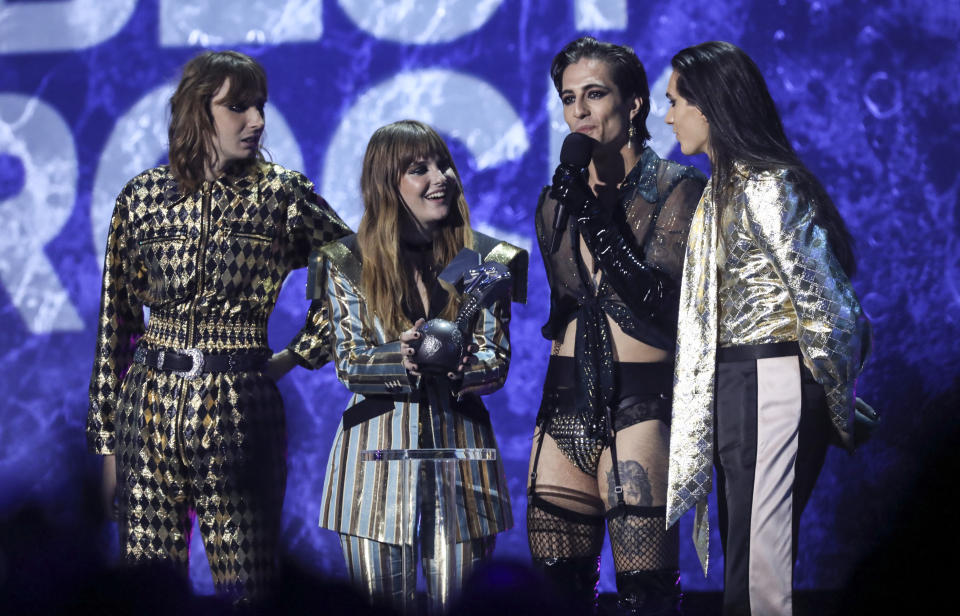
[[868, 91]]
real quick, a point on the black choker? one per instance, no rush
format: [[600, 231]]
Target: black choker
[[416, 247]]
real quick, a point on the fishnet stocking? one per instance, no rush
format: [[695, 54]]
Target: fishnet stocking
[[639, 540], [554, 532]]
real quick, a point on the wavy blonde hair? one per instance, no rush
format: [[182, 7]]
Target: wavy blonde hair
[[385, 281], [191, 121]]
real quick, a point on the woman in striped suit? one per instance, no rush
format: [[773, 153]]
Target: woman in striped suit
[[378, 286]]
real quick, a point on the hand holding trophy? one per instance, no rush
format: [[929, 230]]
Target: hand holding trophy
[[442, 344]]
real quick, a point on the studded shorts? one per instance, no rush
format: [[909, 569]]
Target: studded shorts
[[643, 392]]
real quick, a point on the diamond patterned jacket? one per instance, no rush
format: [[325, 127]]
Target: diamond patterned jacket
[[209, 266]]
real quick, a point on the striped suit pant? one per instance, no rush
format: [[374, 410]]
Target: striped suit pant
[[377, 569]]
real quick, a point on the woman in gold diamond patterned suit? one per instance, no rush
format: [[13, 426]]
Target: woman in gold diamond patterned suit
[[377, 286], [185, 410]]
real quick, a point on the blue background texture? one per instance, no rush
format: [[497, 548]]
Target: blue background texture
[[868, 92]]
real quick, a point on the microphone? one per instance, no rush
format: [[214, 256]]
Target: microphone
[[575, 154]]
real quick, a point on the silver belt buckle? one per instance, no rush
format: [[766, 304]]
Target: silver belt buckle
[[197, 356]]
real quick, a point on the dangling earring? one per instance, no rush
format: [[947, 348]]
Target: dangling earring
[[631, 135]]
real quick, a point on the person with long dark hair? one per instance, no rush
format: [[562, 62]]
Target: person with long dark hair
[[184, 409], [771, 337], [601, 439], [379, 286]]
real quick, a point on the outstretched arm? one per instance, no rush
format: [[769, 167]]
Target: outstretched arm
[[311, 224]]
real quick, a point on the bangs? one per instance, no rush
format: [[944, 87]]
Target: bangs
[[421, 145], [248, 85], [394, 147]]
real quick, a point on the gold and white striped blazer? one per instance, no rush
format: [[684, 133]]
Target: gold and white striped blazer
[[390, 409]]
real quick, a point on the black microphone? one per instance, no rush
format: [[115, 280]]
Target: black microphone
[[575, 154]]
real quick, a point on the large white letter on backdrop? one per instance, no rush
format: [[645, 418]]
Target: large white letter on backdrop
[[59, 26], [419, 21], [188, 23], [33, 132], [460, 106], [139, 141], [600, 14]]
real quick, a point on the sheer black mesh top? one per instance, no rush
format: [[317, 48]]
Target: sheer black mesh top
[[656, 203]]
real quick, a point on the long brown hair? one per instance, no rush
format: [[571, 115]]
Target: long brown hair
[[191, 121], [385, 280], [726, 85]]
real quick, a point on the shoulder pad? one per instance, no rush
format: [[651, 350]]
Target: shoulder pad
[[343, 255], [514, 257]]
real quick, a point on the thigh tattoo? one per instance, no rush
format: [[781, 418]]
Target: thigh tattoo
[[637, 489]]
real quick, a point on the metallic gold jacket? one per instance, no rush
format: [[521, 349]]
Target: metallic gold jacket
[[208, 265], [762, 272]]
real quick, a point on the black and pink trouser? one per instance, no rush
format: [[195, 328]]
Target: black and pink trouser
[[771, 428]]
